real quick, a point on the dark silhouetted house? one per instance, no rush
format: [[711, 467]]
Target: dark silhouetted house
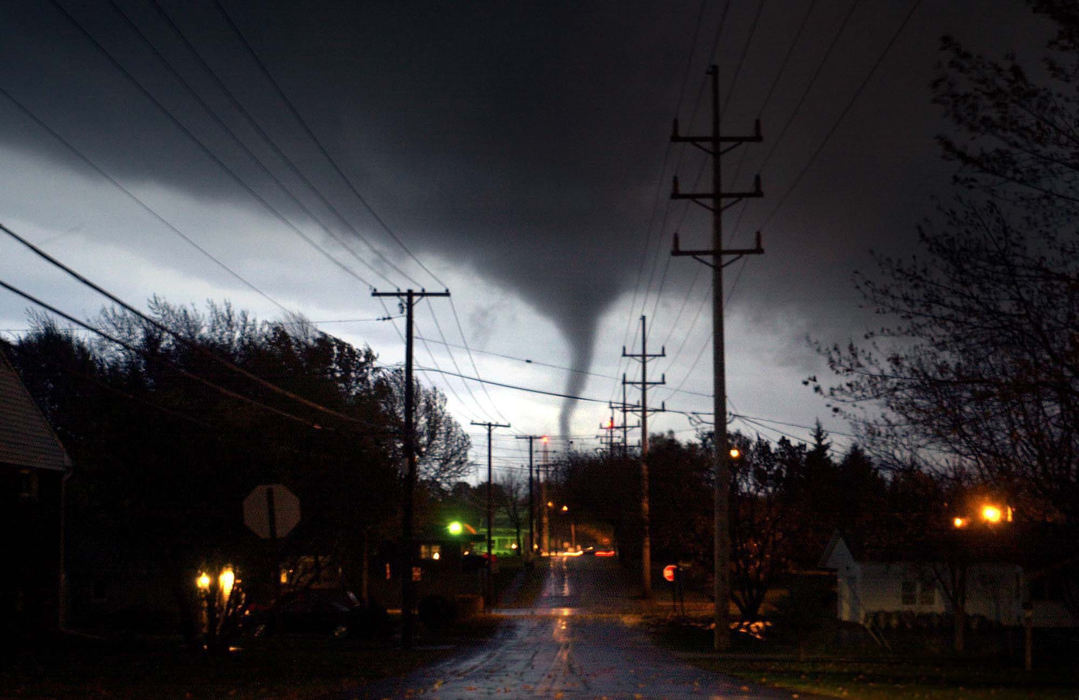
[[1000, 569], [32, 467]]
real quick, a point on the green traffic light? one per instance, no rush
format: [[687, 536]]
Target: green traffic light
[[455, 528]]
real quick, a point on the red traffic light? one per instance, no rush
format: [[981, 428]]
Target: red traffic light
[[668, 572]]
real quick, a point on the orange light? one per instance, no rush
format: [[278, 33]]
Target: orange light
[[735, 453], [959, 522], [544, 439], [992, 514], [565, 508]]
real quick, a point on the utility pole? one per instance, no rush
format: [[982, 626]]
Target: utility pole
[[408, 299], [488, 589], [646, 527], [625, 408], [713, 145], [531, 503], [607, 435], [545, 519]]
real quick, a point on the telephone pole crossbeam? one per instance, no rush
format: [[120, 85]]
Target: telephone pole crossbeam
[[408, 299], [715, 202]]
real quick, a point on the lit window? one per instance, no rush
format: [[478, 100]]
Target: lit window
[[430, 551]]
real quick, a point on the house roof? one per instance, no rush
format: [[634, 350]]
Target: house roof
[[26, 439], [1033, 546]]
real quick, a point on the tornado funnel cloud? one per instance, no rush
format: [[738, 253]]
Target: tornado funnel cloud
[[581, 337]]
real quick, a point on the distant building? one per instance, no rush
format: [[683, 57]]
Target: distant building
[[1003, 569], [33, 464]]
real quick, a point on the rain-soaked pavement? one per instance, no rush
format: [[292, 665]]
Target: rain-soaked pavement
[[584, 639]]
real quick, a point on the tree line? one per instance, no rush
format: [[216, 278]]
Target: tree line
[[170, 430]]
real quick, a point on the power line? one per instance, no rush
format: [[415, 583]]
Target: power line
[[525, 360], [314, 138], [202, 145], [264, 69], [191, 344], [843, 114], [143, 205], [182, 371], [512, 386], [251, 121]]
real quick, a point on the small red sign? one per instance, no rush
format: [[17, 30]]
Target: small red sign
[[668, 572]]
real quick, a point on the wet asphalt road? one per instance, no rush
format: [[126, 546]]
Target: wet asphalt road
[[582, 640]]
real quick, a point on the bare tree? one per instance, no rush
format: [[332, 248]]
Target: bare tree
[[977, 363], [514, 502]]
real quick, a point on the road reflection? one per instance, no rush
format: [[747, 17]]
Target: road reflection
[[583, 639]]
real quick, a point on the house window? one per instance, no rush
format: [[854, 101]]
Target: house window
[[430, 551], [909, 593], [27, 486]]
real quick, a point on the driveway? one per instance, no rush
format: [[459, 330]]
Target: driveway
[[584, 639]]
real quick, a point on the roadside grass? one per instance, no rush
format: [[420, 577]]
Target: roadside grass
[[838, 667], [877, 680]]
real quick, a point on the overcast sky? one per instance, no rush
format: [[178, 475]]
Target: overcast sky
[[516, 153]]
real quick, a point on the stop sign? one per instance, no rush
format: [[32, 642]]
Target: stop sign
[[271, 511], [668, 572]]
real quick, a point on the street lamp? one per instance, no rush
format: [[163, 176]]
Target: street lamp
[[226, 580], [219, 606]]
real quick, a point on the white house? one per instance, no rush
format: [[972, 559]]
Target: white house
[[916, 580]]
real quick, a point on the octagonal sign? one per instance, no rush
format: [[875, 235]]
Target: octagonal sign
[[271, 511]]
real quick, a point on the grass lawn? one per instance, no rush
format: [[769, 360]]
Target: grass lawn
[[867, 671], [874, 680]]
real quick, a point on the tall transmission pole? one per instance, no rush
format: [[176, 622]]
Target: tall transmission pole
[[646, 527], [488, 589], [408, 299], [713, 145]]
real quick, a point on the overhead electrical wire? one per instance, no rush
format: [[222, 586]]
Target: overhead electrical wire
[[265, 71], [526, 360], [846, 110], [137, 200], [186, 342], [449, 386], [291, 107], [512, 386], [660, 182], [816, 74], [190, 375], [254, 124], [206, 150], [250, 119]]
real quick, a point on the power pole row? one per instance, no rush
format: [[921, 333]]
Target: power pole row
[[531, 500], [713, 145], [408, 300], [488, 588], [646, 534]]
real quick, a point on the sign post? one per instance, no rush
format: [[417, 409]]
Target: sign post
[[271, 511]]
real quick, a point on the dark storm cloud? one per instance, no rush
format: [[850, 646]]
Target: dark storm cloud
[[523, 140]]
